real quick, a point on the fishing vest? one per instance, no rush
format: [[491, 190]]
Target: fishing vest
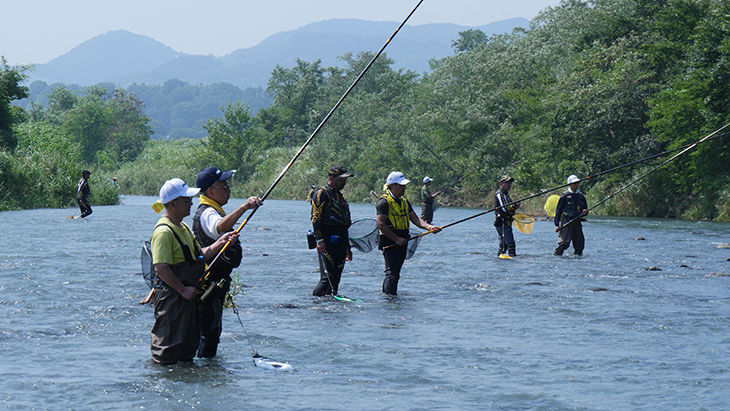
[[503, 213], [574, 204], [335, 210], [398, 213], [230, 259]]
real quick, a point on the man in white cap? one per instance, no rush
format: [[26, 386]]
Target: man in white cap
[[571, 208], [179, 263], [394, 215], [427, 200]]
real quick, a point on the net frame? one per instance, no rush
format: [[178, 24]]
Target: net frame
[[524, 222], [148, 269], [363, 234]]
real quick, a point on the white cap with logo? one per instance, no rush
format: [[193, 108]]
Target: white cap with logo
[[175, 188], [396, 177]]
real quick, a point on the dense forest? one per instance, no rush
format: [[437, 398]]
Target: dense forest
[[591, 85], [176, 109]]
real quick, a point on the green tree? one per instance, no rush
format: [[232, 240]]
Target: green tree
[[11, 89], [233, 141]]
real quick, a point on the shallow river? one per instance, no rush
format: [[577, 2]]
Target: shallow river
[[468, 330]]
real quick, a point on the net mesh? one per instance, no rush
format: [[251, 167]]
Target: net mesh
[[524, 222], [551, 205], [148, 269], [363, 234], [413, 244]]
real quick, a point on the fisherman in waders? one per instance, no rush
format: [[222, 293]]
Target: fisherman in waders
[[394, 215], [571, 206], [330, 223], [427, 200], [179, 262], [82, 194], [504, 214], [208, 223]]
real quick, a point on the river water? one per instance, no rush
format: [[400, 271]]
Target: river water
[[467, 332]]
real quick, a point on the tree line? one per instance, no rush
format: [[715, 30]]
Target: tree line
[[588, 86]]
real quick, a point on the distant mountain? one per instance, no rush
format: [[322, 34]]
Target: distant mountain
[[124, 58], [105, 57]]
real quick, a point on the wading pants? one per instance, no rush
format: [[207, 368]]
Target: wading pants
[[394, 258], [571, 232], [506, 239]]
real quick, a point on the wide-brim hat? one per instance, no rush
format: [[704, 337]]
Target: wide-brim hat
[[427, 179], [573, 179], [506, 179]]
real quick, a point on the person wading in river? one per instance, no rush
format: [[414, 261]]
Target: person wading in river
[[427, 200], [82, 194], [572, 204], [504, 214], [394, 215], [179, 262], [208, 223], [330, 223]]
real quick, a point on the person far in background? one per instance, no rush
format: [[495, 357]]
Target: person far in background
[[572, 206], [427, 200], [394, 215], [209, 222], [82, 194], [504, 212]]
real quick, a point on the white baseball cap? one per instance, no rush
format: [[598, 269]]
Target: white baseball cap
[[427, 179], [396, 177], [573, 179], [175, 188]]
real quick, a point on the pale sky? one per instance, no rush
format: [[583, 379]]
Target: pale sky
[[36, 31]]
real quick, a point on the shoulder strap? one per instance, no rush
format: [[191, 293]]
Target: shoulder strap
[[185, 248]]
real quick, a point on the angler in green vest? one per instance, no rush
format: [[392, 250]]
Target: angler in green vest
[[394, 215]]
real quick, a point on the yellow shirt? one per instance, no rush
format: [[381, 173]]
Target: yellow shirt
[[165, 247]]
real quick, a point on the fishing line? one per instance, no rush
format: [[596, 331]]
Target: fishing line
[[684, 149], [314, 133], [688, 148]]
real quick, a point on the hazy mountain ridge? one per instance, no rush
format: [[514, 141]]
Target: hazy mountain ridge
[[124, 58]]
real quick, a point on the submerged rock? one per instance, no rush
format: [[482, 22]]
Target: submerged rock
[[640, 238], [652, 268]]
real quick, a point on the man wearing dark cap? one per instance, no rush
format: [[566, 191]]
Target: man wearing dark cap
[[82, 194], [330, 223], [504, 213], [209, 223]]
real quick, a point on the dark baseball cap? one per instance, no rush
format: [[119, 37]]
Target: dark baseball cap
[[339, 172], [210, 175]]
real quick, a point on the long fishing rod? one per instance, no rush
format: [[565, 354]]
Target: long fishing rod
[[314, 133], [543, 192], [688, 148]]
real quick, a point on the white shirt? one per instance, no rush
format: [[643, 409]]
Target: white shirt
[[209, 222]]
